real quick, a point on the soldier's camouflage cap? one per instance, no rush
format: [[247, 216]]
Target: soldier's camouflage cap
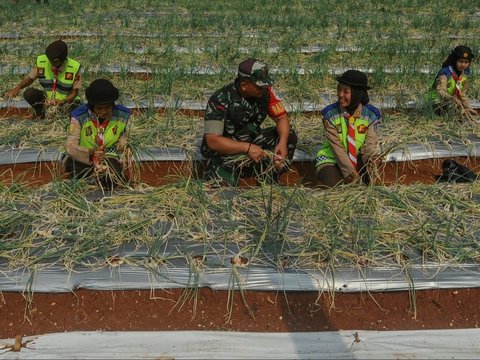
[[256, 71]]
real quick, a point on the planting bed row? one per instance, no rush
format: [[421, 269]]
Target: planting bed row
[[273, 259]]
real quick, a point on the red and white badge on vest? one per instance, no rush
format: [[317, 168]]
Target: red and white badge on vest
[[361, 129]]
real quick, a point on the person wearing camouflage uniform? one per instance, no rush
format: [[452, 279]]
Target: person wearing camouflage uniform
[[233, 120]]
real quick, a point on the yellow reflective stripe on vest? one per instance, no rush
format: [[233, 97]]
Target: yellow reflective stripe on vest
[[65, 79], [111, 135], [326, 155]]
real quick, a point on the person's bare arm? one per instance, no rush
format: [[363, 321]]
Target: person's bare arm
[[16, 90], [227, 146], [283, 130]]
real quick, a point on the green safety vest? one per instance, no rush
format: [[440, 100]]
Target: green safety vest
[[110, 137], [433, 95], [112, 132], [65, 79], [369, 115]]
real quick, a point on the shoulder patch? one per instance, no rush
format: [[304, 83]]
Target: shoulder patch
[[121, 112], [274, 93], [445, 71], [331, 110], [80, 113], [371, 113]]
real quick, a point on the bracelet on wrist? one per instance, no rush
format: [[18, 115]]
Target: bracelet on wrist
[[249, 146]]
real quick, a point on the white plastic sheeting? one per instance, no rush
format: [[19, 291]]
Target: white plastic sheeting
[[423, 344], [22, 156], [436, 149], [217, 275], [409, 152]]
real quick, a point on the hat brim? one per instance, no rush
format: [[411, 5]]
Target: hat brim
[[106, 100], [57, 59], [264, 82], [103, 102], [359, 86]]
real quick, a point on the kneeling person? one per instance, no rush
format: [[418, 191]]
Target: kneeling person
[[233, 120], [59, 76], [97, 136], [351, 133]]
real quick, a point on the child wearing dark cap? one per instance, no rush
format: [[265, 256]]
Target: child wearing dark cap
[[448, 91], [97, 139], [59, 77], [351, 125]]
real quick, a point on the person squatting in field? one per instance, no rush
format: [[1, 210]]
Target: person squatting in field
[[351, 126], [448, 92], [233, 120], [59, 77], [97, 137]]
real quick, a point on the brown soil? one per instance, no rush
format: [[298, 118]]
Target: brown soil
[[136, 310], [163, 172], [270, 311]]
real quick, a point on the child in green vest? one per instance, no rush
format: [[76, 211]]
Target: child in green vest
[[59, 77], [97, 136], [351, 133], [448, 91]]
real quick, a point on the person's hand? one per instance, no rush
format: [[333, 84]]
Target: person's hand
[[54, 102], [12, 93], [353, 177], [281, 155], [281, 150], [98, 160], [458, 102], [99, 155], [256, 153]]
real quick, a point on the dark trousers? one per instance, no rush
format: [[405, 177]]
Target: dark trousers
[[329, 175], [110, 179], [221, 167], [36, 98]]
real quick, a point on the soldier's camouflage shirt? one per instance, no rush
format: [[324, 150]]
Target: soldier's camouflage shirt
[[230, 115]]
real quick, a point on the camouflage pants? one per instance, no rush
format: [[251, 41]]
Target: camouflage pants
[[220, 167]]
